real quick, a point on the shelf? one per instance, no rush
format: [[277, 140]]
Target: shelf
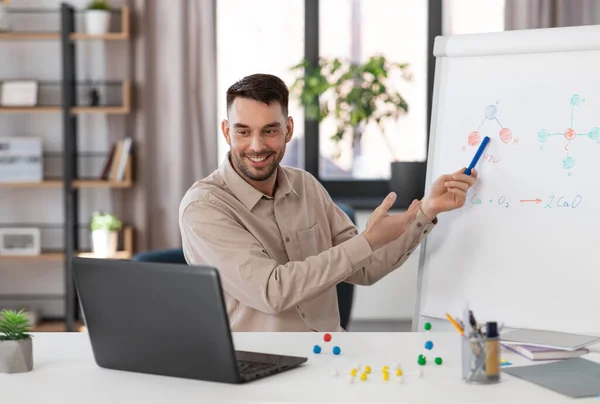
[[29, 36], [79, 184], [48, 256], [75, 36], [111, 36], [125, 254], [76, 184], [41, 184], [111, 110], [36, 110], [57, 326]]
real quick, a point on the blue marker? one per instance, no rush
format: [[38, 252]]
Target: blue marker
[[484, 143]]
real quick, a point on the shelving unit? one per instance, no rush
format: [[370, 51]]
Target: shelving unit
[[70, 182]]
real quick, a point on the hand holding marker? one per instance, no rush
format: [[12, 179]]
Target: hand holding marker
[[477, 156]]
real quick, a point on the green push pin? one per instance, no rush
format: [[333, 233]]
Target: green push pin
[[438, 360], [422, 360], [428, 326]]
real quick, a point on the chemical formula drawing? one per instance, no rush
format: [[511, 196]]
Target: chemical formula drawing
[[504, 134], [569, 134]]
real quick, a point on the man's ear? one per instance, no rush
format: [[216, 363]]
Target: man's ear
[[225, 130], [289, 129]]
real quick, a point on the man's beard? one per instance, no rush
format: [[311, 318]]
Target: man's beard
[[254, 173]]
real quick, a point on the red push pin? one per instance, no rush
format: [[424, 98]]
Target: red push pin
[[327, 337]]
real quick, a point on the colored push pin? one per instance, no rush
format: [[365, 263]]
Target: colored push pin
[[327, 337], [367, 369], [429, 345], [399, 373], [336, 350], [386, 376], [427, 326], [363, 377], [438, 360], [353, 372], [422, 360], [385, 368], [317, 349]]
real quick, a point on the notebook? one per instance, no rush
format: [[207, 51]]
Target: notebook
[[548, 339], [576, 377], [536, 353]]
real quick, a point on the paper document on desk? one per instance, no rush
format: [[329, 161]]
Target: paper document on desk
[[548, 339]]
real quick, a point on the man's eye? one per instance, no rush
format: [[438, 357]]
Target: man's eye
[[242, 132]]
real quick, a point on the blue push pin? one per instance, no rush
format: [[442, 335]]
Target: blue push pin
[[429, 345], [317, 349], [336, 350]]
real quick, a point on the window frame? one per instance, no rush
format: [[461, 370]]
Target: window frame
[[360, 194]]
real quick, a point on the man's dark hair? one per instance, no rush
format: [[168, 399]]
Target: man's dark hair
[[260, 87]]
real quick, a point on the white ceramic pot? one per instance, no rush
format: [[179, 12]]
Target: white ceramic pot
[[97, 22], [16, 356], [104, 243]]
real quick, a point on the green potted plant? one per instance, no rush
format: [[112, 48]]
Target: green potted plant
[[97, 17], [105, 229], [16, 348], [357, 95]]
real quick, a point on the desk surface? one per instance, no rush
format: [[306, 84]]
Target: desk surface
[[65, 371]]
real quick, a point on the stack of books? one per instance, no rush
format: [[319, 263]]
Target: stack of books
[[114, 167], [547, 345]]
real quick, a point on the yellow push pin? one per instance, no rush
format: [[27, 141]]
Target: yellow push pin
[[399, 372], [367, 369], [363, 377], [353, 372]]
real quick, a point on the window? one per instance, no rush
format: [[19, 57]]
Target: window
[[473, 16], [260, 36], [356, 30]]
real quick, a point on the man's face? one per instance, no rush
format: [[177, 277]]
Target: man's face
[[257, 134]]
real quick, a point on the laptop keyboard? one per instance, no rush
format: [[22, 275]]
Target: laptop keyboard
[[247, 367]]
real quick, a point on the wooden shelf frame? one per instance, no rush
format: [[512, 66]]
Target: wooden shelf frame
[[75, 36], [125, 108], [125, 254], [70, 184], [127, 182]]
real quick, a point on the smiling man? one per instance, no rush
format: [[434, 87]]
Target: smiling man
[[280, 243]]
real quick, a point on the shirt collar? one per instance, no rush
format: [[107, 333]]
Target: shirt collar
[[245, 192]]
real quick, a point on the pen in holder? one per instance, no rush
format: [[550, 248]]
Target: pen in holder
[[481, 356]]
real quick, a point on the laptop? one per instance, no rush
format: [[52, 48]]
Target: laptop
[[165, 319]]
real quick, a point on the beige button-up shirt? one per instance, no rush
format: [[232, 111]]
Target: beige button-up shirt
[[279, 258]]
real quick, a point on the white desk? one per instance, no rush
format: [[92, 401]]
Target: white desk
[[65, 372]]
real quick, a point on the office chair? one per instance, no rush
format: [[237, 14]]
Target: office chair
[[345, 291]]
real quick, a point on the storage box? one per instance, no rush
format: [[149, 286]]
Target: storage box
[[21, 159]]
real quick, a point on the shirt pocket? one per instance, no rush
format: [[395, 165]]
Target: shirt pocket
[[309, 241]]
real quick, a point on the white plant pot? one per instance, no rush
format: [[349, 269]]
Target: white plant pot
[[104, 243], [16, 356], [97, 22]]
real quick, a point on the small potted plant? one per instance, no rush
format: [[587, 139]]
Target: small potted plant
[[16, 350], [97, 17], [105, 229]]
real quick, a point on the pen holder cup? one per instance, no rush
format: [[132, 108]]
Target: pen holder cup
[[480, 360]]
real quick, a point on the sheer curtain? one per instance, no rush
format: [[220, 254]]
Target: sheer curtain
[[532, 14], [176, 113]]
